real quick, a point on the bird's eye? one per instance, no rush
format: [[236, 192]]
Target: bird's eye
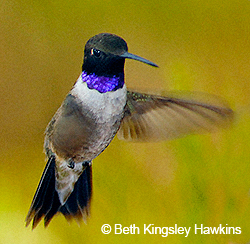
[[95, 52]]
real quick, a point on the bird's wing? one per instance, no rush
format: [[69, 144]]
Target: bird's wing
[[155, 117]]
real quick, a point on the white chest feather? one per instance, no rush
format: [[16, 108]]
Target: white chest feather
[[104, 106]]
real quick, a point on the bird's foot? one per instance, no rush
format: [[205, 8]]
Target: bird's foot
[[71, 164], [86, 163]]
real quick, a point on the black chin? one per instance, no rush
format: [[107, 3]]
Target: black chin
[[114, 67]]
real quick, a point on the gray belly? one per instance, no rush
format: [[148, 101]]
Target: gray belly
[[76, 133]]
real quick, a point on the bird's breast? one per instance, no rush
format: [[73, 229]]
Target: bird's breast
[[86, 122], [103, 106]]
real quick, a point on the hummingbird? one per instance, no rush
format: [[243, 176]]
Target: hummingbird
[[98, 107]]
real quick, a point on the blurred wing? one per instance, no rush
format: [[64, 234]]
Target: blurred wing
[[154, 117]]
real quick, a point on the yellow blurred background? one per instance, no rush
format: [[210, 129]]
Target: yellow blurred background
[[205, 179]]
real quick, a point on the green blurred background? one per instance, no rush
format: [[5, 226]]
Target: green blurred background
[[204, 179]]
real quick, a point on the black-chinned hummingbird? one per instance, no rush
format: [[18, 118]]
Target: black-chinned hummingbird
[[98, 107]]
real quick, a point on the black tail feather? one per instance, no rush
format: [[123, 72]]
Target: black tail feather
[[46, 202], [44, 195], [78, 203], [53, 209]]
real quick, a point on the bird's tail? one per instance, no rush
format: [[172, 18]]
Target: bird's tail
[[46, 202]]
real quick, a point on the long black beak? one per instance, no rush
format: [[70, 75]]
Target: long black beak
[[138, 58]]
